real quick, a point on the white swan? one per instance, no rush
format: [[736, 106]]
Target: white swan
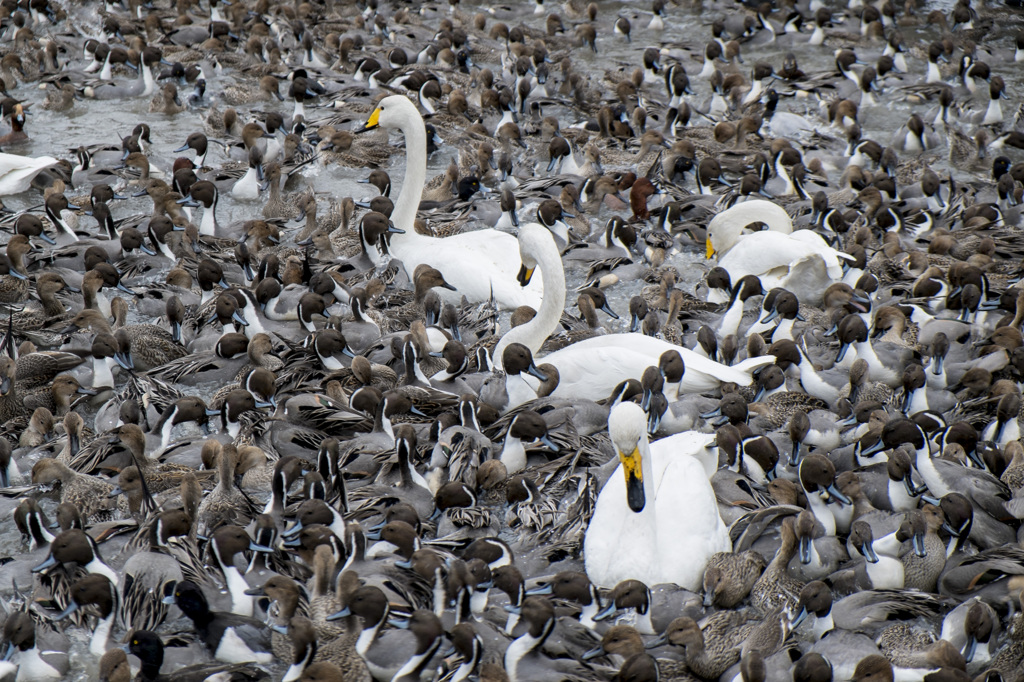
[[799, 261], [16, 172], [475, 263], [656, 519], [593, 367]]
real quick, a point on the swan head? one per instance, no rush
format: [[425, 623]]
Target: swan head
[[627, 427], [534, 240], [396, 111], [725, 228]]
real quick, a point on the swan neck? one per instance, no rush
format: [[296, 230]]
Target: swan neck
[[545, 322], [415, 175]]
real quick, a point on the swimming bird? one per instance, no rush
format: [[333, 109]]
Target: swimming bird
[[799, 261], [620, 356], [623, 540], [480, 265]]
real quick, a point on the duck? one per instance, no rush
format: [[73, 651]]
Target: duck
[[622, 540], [799, 261], [95, 589], [525, 659], [621, 356], [480, 265], [230, 638], [149, 649], [37, 653], [387, 654]]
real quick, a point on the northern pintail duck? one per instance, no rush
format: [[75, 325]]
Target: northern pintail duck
[[229, 637]]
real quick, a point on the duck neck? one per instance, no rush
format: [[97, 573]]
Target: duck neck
[[417, 662], [97, 567], [102, 373], [98, 643], [522, 646], [208, 226], [241, 603], [513, 455], [369, 634], [408, 201], [822, 512]]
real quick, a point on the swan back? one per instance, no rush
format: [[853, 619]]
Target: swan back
[[725, 229]]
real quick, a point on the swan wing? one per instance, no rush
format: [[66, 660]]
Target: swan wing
[[476, 263], [16, 172], [684, 492], [833, 257], [762, 252]]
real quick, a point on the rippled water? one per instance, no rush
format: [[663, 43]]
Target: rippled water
[[91, 122]]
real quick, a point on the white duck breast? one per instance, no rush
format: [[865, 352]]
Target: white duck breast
[[799, 261], [656, 519]]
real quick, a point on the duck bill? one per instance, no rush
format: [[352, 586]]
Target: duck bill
[[631, 468], [606, 612], [50, 561], [535, 372], [660, 641], [596, 652], [970, 648], [345, 612], [5, 386], [653, 422], [794, 457], [918, 542], [975, 457], [842, 352], [524, 276], [798, 619], [72, 607], [634, 324], [371, 122], [805, 550], [869, 554], [834, 492], [908, 483]]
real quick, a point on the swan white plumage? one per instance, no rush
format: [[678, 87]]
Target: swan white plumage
[[475, 263], [593, 367], [799, 261], [656, 519], [16, 172]]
